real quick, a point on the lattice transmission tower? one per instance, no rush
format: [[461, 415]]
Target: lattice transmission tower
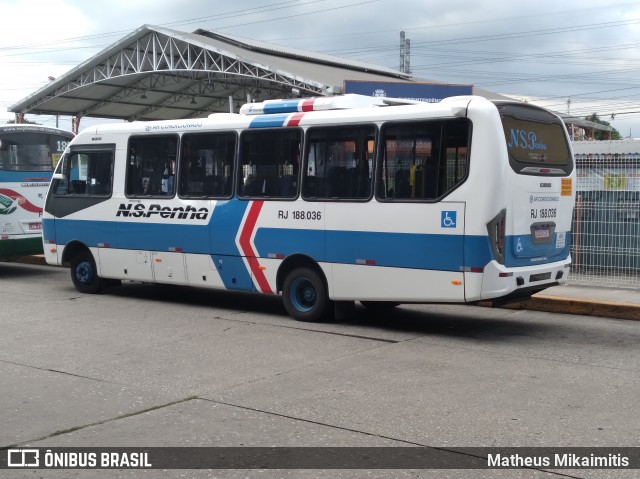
[[405, 54]]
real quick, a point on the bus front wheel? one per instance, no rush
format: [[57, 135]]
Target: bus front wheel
[[84, 273], [305, 295]]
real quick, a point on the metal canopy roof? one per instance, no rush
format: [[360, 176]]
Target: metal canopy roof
[[620, 147], [158, 73], [581, 122]]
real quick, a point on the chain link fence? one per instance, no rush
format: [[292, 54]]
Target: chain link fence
[[605, 240]]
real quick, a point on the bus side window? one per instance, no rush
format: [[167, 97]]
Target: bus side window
[[269, 163], [151, 165], [100, 178], [422, 160], [339, 163], [206, 165], [88, 172], [456, 146]]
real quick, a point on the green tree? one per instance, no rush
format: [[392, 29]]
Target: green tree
[[598, 134]]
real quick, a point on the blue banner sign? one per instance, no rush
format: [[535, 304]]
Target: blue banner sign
[[428, 92]]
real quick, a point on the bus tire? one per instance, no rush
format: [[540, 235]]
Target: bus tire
[[84, 273], [305, 295]]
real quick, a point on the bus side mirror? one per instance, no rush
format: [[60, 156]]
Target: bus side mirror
[[59, 176]]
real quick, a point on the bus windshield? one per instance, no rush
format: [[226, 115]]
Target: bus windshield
[[37, 150], [535, 138]]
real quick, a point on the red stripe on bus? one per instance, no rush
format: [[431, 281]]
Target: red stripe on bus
[[294, 120], [307, 105], [23, 203], [247, 249]]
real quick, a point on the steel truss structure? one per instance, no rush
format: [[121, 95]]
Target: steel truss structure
[[159, 73]]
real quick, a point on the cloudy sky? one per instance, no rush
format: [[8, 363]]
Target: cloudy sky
[[571, 55]]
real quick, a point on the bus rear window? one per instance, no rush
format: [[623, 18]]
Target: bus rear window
[[535, 138]]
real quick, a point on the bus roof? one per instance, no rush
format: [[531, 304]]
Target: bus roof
[[454, 106], [340, 102], [31, 128]]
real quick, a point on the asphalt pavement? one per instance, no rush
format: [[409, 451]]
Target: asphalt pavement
[[150, 366]]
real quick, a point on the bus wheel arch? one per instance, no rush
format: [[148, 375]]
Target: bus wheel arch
[[84, 272], [304, 287], [72, 249]]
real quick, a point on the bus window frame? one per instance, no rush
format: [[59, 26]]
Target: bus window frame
[[44, 131], [234, 165], [177, 138], [305, 161], [238, 179], [381, 150], [75, 149], [532, 114]]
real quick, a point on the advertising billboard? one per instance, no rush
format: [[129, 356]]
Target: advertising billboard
[[428, 92]]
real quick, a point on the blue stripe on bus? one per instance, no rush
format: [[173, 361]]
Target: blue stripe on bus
[[477, 251], [269, 121], [442, 252], [218, 238], [404, 250], [161, 237], [88, 232], [224, 227], [285, 106], [292, 241], [225, 224], [423, 251], [138, 236], [523, 252], [25, 176]]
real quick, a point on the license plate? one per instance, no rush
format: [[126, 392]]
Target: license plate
[[539, 277], [35, 226], [541, 233]]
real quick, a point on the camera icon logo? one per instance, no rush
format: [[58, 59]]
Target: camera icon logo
[[23, 458]]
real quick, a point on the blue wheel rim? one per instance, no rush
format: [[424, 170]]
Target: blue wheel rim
[[84, 272], [303, 295]]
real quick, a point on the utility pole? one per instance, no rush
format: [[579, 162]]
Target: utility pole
[[51, 78]]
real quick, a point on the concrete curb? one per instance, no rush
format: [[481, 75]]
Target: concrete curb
[[584, 307]]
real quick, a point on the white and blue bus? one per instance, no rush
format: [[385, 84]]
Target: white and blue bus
[[28, 155], [322, 200]]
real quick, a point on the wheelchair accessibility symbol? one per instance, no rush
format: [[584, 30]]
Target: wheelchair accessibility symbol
[[448, 219]]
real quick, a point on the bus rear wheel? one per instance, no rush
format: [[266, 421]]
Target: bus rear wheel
[[84, 273], [305, 295]]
